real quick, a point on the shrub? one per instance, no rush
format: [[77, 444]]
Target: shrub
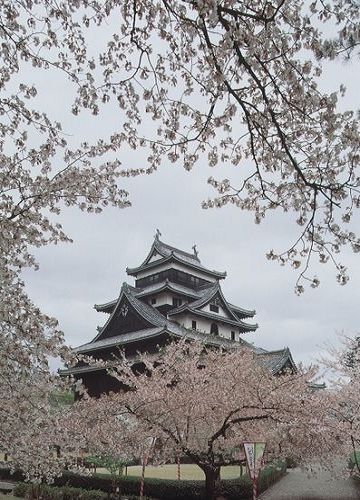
[[96, 487], [56, 493], [271, 474], [354, 459], [7, 475], [291, 462], [20, 489]]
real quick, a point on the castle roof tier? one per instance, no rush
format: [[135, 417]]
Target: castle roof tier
[[275, 361], [174, 297], [195, 300], [212, 305], [166, 256]]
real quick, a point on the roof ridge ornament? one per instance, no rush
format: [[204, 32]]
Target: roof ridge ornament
[[158, 234], [196, 252]]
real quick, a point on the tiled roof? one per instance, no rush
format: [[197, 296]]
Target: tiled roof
[[150, 314], [80, 369], [157, 287], [241, 312], [149, 290], [124, 338], [168, 253], [170, 327], [202, 296], [109, 306], [245, 327], [206, 295], [181, 331], [106, 307], [165, 250], [145, 310], [276, 360]]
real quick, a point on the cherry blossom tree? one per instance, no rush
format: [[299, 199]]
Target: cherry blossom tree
[[220, 81], [224, 82], [344, 363], [40, 174], [203, 404]]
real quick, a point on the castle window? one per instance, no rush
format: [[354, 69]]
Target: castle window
[[153, 300], [214, 308], [193, 325], [214, 329], [176, 302], [232, 335]]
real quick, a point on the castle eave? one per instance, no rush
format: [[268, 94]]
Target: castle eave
[[244, 327], [134, 271]]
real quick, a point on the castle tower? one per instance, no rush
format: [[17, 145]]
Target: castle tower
[[174, 296]]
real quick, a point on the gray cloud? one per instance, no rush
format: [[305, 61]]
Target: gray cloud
[[91, 270], [74, 277]]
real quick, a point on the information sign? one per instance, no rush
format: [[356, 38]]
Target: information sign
[[254, 452]]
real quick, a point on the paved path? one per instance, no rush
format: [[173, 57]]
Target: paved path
[[296, 485], [6, 487], [5, 490]]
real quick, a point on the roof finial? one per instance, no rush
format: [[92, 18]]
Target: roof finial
[[196, 253], [158, 234]]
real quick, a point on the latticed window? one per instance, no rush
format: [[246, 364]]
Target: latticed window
[[214, 329]]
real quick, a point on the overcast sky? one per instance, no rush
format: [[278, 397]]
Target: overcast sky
[[73, 277]]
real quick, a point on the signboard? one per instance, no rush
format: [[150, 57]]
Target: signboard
[[254, 452]]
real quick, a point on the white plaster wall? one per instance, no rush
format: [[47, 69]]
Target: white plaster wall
[[162, 298], [156, 257], [203, 325], [221, 312]]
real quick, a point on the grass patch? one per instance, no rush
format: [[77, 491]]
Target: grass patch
[[161, 489], [354, 463], [188, 472]]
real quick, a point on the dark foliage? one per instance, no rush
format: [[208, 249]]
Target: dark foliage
[[164, 489], [47, 492]]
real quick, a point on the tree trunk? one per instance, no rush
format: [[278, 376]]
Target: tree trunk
[[212, 481]]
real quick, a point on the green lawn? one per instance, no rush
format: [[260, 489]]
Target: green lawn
[[187, 471]]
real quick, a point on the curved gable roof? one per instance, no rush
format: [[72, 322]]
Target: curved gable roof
[[168, 285], [169, 253], [276, 361], [149, 314], [165, 250], [207, 295]]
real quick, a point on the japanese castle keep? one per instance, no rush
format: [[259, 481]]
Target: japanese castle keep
[[174, 296]]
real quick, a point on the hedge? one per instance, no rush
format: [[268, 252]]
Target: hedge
[[165, 489], [353, 464], [47, 492], [354, 460]]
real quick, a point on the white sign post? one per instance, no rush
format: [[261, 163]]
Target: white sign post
[[254, 452]]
